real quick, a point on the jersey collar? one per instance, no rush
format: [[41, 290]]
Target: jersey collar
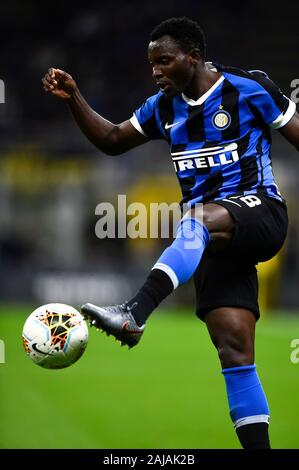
[[203, 97]]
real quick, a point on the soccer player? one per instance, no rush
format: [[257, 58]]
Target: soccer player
[[217, 122]]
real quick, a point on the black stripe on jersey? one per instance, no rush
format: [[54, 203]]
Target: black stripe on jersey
[[230, 103], [195, 124], [249, 173], [213, 184], [187, 184], [262, 79], [151, 129], [248, 166], [258, 117], [273, 90], [243, 144], [206, 170], [178, 148], [166, 114]]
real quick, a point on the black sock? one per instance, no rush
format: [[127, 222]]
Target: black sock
[[157, 286], [254, 436]]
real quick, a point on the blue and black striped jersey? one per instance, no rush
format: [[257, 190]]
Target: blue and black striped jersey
[[220, 144]]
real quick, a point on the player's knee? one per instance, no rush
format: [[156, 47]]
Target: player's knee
[[233, 352]]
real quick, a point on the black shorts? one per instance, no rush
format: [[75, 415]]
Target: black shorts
[[229, 278]]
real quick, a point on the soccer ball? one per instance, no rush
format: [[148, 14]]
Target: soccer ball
[[55, 336]]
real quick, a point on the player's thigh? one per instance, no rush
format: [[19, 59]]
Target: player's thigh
[[260, 226], [219, 222], [216, 218]]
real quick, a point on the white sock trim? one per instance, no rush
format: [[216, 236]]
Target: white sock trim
[[251, 420], [170, 273]]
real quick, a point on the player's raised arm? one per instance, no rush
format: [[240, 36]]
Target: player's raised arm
[[113, 139], [291, 131]]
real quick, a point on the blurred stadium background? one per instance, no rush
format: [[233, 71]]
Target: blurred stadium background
[[51, 180]]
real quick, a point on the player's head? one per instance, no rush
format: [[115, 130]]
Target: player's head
[[176, 48]]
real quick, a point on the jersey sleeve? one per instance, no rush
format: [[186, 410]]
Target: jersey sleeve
[[268, 101], [145, 119]]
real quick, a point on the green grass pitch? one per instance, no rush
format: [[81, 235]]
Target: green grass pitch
[[168, 392]]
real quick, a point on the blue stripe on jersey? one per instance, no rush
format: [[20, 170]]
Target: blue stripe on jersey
[[147, 110], [231, 179], [266, 162], [251, 191], [268, 182]]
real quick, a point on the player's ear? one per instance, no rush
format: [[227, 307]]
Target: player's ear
[[195, 56]]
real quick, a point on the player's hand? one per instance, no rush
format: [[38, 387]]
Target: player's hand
[[59, 83]]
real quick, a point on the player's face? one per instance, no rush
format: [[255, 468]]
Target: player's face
[[173, 69]]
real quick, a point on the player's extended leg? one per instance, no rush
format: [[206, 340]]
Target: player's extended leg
[[232, 332], [175, 266]]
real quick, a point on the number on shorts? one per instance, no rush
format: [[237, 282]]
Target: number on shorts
[[251, 200]]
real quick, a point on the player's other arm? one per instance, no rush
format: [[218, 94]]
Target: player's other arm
[[112, 139], [291, 130]]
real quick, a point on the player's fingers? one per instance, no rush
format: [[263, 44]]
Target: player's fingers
[[46, 81], [63, 74], [51, 72], [47, 85], [51, 81]]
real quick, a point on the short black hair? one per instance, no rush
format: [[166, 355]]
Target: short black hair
[[187, 33]]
